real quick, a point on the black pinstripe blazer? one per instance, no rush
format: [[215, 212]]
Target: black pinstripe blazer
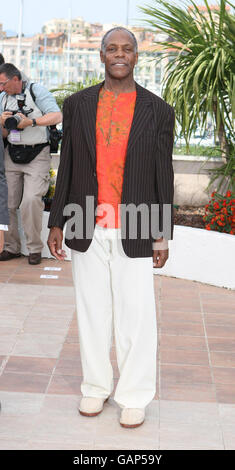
[[148, 173]]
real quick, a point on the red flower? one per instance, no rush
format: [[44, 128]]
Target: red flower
[[220, 213]]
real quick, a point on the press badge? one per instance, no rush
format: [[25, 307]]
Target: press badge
[[15, 136]]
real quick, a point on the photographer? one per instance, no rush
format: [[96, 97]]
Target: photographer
[[24, 122], [3, 197]]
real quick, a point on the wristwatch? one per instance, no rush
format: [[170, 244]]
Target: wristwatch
[[34, 123]]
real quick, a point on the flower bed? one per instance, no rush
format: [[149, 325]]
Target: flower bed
[[220, 213], [217, 215], [189, 216]]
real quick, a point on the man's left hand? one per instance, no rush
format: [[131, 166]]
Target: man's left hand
[[160, 257], [25, 122]]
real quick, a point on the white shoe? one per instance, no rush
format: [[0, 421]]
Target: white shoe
[[132, 417], [90, 406]]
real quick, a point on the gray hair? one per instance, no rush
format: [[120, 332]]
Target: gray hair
[[118, 28]]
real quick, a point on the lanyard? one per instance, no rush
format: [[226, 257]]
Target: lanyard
[[24, 84]]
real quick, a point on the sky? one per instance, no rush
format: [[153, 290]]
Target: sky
[[37, 12]]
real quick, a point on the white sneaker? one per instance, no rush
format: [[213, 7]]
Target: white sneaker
[[90, 406], [132, 417]]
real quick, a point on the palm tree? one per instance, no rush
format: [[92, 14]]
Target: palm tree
[[200, 77]]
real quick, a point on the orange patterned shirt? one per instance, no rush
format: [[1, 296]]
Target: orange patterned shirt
[[113, 124]]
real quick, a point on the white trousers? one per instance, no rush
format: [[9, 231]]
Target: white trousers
[[116, 293]]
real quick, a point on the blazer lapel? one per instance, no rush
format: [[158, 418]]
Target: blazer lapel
[[89, 110], [142, 115]]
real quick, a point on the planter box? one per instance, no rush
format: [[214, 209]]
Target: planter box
[[191, 177], [195, 254], [201, 255]]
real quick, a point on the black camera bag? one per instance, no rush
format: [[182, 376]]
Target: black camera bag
[[21, 154]]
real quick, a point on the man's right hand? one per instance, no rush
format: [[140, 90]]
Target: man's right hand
[[54, 243], [5, 115]]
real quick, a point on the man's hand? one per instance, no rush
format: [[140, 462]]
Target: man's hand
[[1, 240], [54, 243], [160, 257], [4, 116], [160, 253], [25, 122]]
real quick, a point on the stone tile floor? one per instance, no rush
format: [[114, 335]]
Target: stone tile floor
[[40, 368]]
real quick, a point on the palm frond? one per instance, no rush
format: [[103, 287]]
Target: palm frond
[[200, 80]]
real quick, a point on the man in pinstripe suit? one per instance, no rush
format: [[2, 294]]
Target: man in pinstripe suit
[[116, 151]]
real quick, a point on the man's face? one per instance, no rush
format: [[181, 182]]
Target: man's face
[[10, 85], [119, 56]]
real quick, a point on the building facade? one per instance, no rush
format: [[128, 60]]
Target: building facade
[[51, 59], [9, 49]]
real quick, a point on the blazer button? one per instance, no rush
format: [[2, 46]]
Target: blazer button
[[94, 174]]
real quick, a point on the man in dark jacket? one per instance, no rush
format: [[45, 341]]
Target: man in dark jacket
[[117, 156]]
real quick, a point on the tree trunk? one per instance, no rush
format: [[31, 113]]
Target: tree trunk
[[221, 133]]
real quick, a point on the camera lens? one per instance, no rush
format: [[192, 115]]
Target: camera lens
[[11, 123]]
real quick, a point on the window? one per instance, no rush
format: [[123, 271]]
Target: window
[[157, 75]]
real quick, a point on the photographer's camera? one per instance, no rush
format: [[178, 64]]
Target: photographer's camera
[[13, 121]]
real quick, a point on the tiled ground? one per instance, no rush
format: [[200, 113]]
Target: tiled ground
[[40, 369]]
